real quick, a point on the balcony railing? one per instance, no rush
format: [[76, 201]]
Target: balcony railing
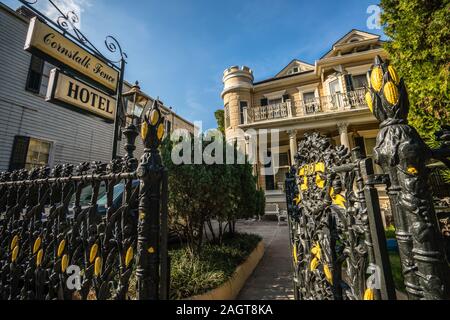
[[344, 101], [334, 103], [272, 112]]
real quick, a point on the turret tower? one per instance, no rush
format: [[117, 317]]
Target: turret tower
[[237, 97]]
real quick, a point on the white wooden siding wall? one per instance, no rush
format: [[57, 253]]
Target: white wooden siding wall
[[76, 137]]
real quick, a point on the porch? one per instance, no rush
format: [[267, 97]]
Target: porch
[[318, 105]]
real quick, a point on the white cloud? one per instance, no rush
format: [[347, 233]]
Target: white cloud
[[77, 6]]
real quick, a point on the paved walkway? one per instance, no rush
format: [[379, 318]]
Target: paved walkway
[[272, 279]]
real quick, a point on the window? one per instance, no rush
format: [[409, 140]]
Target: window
[[242, 106], [359, 81], [29, 153], [275, 101], [34, 74], [45, 78], [38, 154], [38, 76], [294, 71], [312, 105], [309, 97], [227, 116], [334, 87]]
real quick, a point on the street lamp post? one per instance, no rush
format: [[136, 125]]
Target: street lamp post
[[134, 104]]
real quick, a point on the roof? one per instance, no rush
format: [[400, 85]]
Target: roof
[[284, 77], [295, 62], [362, 35], [349, 35]]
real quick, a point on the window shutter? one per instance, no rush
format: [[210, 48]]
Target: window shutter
[[19, 153], [349, 82], [264, 102], [359, 142], [35, 74]]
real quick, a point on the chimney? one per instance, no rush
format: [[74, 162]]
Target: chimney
[[25, 12]]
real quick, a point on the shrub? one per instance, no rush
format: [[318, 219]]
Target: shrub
[[210, 268], [200, 193]]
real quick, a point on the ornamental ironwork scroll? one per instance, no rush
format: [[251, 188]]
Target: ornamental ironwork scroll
[[52, 247], [332, 249], [66, 23]]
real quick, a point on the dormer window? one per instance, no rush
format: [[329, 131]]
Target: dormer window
[[354, 39], [294, 70]]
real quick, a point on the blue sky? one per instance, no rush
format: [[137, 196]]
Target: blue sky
[[178, 49]]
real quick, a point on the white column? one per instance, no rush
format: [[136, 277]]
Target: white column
[[293, 144], [343, 132], [289, 108]]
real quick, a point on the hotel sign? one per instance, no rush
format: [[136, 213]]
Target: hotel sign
[[67, 90], [51, 43]]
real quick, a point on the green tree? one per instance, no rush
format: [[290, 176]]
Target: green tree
[[189, 185], [419, 48], [220, 117], [208, 194]]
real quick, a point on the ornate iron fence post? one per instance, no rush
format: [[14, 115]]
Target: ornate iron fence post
[[150, 173], [292, 223], [403, 155], [376, 239]]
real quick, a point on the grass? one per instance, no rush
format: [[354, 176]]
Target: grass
[[390, 233], [397, 271], [214, 266]]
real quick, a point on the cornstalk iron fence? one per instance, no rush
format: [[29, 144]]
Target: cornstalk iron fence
[[337, 235], [53, 248]]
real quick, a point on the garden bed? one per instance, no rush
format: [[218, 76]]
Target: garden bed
[[212, 268]]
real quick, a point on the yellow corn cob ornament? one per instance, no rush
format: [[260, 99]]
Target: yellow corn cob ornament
[[37, 245], [61, 247], [376, 78], [39, 257], [328, 274], [98, 266], [14, 242], [93, 253], [129, 256], [391, 93], [15, 253], [369, 295], [394, 75], [314, 264], [369, 101], [64, 263]]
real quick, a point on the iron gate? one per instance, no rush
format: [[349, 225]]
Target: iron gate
[[51, 251], [337, 235]]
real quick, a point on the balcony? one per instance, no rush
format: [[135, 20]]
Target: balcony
[[327, 104], [272, 112], [337, 102]]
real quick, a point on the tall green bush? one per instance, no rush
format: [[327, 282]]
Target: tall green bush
[[419, 48], [212, 195]]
